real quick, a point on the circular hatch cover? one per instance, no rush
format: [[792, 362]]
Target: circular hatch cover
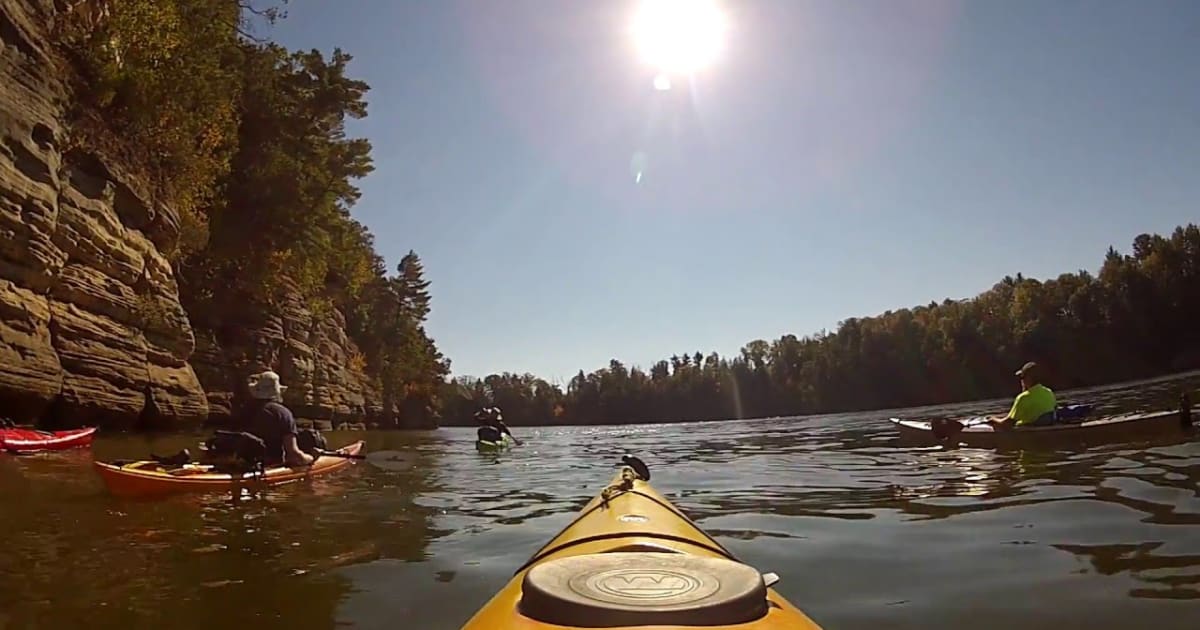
[[643, 588]]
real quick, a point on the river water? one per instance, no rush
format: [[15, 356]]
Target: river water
[[864, 531]]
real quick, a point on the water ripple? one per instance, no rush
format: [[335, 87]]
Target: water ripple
[[865, 531]]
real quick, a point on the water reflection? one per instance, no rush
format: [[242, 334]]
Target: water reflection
[[865, 531], [75, 557], [1158, 571], [841, 493]]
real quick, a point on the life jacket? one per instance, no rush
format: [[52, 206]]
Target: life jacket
[[311, 441], [489, 433], [236, 451]]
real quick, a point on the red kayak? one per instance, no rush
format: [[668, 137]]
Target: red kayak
[[31, 441]]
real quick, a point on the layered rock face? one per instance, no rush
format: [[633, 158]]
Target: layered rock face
[[91, 328], [312, 354]]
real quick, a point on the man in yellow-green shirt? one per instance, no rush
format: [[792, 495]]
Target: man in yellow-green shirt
[[1034, 406]]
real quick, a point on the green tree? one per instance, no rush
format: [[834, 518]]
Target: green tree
[[414, 288]]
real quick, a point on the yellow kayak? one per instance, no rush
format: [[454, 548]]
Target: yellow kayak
[[631, 559]]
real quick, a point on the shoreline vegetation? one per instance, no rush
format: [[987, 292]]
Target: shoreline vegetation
[[1135, 319], [246, 140]]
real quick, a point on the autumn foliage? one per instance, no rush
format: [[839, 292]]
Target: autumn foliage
[[246, 140]]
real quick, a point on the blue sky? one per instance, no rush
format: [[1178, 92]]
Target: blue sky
[[838, 159]]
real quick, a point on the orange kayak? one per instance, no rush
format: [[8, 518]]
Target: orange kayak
[[150, 478], [631, 559]]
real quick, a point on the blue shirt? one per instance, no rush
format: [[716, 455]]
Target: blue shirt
[[272, 422]]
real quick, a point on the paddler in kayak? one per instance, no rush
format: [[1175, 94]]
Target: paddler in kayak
[[1034, 406], [493, 429], [268, 435], [266, 417]]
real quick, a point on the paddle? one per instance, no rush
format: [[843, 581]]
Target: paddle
[[386, 460], [395, 461], [944, 429], [324, 453]]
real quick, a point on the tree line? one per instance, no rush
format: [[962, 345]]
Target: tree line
[[1136, 318], [247, 141]]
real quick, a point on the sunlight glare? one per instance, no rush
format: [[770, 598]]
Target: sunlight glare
[[679, 36]]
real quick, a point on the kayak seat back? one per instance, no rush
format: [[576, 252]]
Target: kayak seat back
[[1073, 414]]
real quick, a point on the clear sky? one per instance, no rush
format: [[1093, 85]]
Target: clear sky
[[836, 159]]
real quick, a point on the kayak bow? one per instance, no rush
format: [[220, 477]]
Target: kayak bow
[[20, 440], [488, 446], [632, 559], [149, 478]]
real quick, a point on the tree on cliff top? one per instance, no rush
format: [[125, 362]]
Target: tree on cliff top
[[288, 193], [287, 199], [413, 287], [157, 89], [388, 323], [247, 140]]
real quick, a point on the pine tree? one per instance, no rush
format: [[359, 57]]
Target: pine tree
[[412, 286]]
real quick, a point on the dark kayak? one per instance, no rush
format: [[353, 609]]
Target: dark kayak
[[977, 433], [491, 446]]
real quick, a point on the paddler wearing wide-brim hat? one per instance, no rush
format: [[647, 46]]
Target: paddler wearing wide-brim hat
[[268, 418], [1034, 406], [266, 386]]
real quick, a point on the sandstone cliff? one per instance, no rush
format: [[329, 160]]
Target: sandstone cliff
[[92, 330], [312, 354]]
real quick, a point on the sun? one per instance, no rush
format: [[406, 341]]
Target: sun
[[679, 37]]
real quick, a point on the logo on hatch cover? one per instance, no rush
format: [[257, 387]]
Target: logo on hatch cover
[[647, 585]]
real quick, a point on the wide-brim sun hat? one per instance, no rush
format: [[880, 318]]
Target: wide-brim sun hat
[[266, 386]]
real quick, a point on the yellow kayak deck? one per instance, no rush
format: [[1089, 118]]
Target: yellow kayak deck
[[632, 559]]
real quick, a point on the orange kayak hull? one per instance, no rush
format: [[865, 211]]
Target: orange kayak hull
[[148, 478]]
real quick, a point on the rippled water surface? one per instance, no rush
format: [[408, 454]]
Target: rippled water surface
[[865, 532]]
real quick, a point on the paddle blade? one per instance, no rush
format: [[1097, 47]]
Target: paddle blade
[[398, 461], [943, 429]]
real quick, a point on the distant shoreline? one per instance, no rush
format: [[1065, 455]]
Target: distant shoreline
[[1063, 395]]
